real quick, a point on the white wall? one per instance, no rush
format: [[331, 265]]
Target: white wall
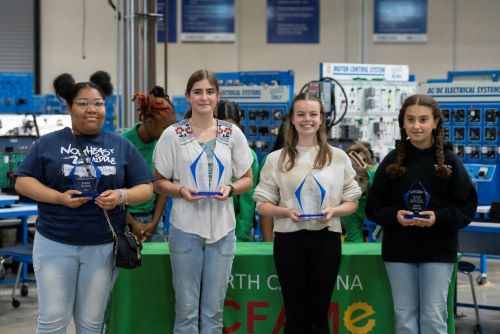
[[469, 40], [462, 35], [62, 35]]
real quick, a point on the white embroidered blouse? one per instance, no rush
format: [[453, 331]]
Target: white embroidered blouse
[[174, 157]]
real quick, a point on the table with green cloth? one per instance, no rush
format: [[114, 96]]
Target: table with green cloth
[[142, 300]]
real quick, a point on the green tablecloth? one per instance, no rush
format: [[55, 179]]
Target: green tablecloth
[[142, 300]]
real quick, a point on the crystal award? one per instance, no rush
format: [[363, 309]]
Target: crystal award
[[85, 178], [200, 173], [416, 200], [310, 195]]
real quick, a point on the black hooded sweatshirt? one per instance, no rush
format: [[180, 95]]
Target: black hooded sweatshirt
[[453, 200]]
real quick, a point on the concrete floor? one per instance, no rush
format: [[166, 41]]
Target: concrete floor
[[22, 320]]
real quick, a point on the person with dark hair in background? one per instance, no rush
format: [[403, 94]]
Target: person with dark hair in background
[[156, 113], [362, 162], [307, 251], [422, 196], [244, 205], [202, 240], [73, 256]]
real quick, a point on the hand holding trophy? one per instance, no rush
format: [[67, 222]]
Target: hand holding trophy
[[310, 195], [203, 179], [417, 200], [85, 178]]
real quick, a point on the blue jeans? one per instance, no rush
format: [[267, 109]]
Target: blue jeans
[[200, 274], [159, 233], [420, 295], [72, 281]]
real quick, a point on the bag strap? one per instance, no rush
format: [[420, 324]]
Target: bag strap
[[109, 224]]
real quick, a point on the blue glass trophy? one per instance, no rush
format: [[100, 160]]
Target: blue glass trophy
[[417, 200], [85, 178], [310, 195], [206, 186]]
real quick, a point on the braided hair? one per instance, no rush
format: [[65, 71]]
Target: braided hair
[[150, 105], [441, 170]]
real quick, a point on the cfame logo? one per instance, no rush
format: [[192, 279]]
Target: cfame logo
[[355, 318]]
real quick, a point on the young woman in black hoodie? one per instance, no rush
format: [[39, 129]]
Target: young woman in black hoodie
[[422, 196]]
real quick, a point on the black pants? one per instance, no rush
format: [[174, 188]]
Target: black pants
[[307, 263]]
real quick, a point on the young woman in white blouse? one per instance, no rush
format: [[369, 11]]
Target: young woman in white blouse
[[307, 251], [202, 241]]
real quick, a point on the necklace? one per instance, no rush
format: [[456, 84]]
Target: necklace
[[201, 127]]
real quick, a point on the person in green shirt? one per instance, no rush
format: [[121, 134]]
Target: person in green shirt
[[362, 163], [244, 205], [156, 113], [267, 223]]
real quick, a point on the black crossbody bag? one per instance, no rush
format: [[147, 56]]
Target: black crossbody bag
[[127, 248]]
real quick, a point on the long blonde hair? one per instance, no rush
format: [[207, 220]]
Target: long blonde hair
[[289, 153]]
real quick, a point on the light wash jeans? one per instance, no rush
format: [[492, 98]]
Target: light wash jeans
[[200, 274], [72, 281], [420, 295]]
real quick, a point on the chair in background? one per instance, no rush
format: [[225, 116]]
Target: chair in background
[[467, 268], [22, 253]]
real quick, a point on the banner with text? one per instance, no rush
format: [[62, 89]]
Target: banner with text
[[462, 91], [400, 21], [293, 21], [207, 21], [361, 302], [349, 71], [171, 18]]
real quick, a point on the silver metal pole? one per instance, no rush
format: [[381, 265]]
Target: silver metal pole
[[151, 23], [130, 64], [119, 65], [165, 45], [144, 24]]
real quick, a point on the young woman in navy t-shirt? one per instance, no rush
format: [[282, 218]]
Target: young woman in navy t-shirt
[[74, 174]]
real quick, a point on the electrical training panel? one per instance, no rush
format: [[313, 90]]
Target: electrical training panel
[[373, 96], [470, 103], [17, 97]]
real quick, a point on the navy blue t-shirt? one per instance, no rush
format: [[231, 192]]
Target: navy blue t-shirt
[[51, 160]]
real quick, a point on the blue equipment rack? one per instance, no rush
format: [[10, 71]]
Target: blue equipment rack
[[471, 110], [470, 103]]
